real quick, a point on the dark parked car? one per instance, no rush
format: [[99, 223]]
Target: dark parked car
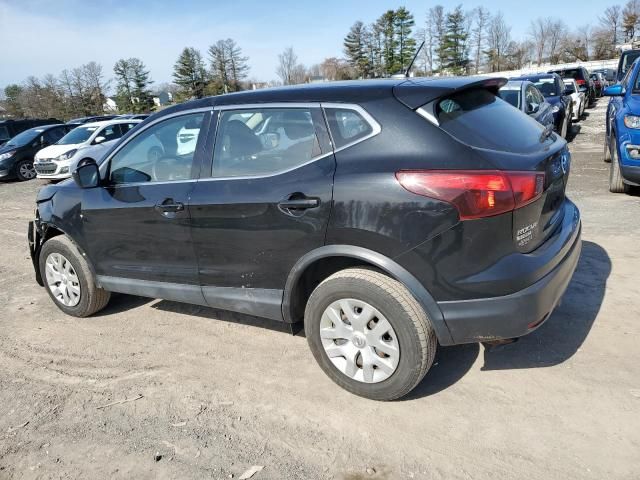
[[385, 214], [599, 83], [609, 74], [626, 60], [95, 118], [553, 89], [581, 76], [16, 156], [526, 97], [11, 128]]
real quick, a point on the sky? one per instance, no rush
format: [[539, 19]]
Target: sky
[[43, 36]]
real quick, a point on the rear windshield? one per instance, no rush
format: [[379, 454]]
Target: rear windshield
[[480, 119], [575, 73], [547, 86]]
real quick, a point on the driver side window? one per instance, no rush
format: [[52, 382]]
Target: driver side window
[[163, 152]]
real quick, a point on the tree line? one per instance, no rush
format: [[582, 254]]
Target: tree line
[[456, 42]]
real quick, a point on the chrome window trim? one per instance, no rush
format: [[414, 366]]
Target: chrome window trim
[[249, 106], [106, 162], [428, 112], [375, 126]]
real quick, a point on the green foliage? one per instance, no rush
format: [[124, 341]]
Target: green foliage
[[228, 67], [453, 51], [190, 75], [11, 102], [133, 86]]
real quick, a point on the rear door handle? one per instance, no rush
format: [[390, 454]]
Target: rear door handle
[[169, 206], [299, 203]]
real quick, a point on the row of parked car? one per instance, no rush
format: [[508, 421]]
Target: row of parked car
[[48, 148], [556, 98]]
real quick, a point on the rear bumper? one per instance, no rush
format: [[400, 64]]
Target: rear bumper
[[517, 314]]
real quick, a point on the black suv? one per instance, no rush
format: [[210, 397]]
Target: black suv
[[552, 88], [387, 215], [582, 78], [11, 128], [16, 156]]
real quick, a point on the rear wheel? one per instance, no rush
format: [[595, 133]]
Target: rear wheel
[[616, 184], [369, 334], [25, 170], [68, 279], [565, 126]]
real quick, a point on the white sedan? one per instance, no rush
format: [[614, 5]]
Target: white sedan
[[58, 161], [577, 97]]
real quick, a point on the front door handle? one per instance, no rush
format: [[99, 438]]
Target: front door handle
[[168, 206]]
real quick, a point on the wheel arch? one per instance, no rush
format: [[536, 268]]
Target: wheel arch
[[327, 260]]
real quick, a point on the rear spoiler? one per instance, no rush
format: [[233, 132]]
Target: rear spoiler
[[416, 92]]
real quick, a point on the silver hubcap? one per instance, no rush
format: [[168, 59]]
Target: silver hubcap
[[27, 170], [62, 280], [359, 340]]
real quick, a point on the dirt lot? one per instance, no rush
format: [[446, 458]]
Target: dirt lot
[[222, 392]]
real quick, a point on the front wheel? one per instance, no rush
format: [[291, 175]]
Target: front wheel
[[369, 334], [69, 280], [616, 184], [565, 126], [607, 151], [25, 170]]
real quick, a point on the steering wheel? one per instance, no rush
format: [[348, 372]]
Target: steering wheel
[[170, 168]]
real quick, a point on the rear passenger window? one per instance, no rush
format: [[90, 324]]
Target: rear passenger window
[[264, 141], [347, 126]]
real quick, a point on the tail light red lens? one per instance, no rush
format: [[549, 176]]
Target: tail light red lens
[[475, 193], [580, 82]]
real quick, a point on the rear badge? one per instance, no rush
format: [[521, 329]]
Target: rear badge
[[525, 234]]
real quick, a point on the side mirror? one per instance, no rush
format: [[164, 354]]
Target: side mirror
[[98, 140], [532, 108], [614, 91], [87, 173]]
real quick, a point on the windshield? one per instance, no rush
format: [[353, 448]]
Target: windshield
[[574, 73], [569, 87], [25, 137], [4, 134], [626, 61], [511, 96], [77, 135]]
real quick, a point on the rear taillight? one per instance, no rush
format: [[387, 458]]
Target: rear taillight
[[475, 193], [580, 82]]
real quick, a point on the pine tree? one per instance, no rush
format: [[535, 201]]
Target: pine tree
[[228, 66], [356, 49], [453, 53], [190, 74], [132, 86], [238, 66], [403, 23], [389, 42]]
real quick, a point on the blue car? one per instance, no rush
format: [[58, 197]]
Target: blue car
[[622, 139]]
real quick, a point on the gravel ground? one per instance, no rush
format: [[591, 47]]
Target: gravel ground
[[222, 392]]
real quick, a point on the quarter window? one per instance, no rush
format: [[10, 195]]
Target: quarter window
[[264, 141], [346, 126], [163, 152]]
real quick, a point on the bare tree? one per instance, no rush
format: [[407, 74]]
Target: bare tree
[[435, 31], [538, 30], [584, 34], [610, 23], [557, 33], [498, 40], [287, 66], [481, 18], [630, 18]]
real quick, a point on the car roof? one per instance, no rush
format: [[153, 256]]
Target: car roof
[[44, 128], [104, 123], [536, 76], [413, 92]]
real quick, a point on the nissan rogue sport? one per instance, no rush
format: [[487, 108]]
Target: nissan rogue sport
[[389, 216]]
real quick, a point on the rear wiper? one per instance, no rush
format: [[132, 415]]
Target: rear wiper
[[545, 134]]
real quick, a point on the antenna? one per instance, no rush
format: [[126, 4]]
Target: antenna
[[406, 73]]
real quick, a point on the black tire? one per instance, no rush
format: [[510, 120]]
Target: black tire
[[607, 151], [565, 127], [92, 298], [22, 165], [415, 335], [616, 184]]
